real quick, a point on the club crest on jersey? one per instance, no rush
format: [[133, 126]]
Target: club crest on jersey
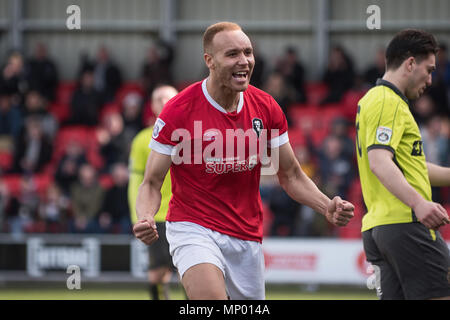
[[159, 125], [384, 135], [257, 125]]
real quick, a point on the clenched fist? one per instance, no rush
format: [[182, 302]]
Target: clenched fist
[[145, 231], [339, 212]]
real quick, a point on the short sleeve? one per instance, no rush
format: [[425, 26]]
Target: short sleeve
[[162, 136], [385, 128]]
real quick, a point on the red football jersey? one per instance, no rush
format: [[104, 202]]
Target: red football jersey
[[216, 157]]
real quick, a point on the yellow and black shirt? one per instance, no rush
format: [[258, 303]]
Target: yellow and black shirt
[[384, 120]]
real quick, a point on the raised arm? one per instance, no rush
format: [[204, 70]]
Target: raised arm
[[303, 190]]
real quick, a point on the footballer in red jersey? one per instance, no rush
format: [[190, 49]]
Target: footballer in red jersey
[[216, 179], [214, 137]]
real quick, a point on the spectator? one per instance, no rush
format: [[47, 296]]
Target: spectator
[[257, 78], [115, 213], [440, 87], [11, 120], [9, 208], [308, 223], [33, 148], [335, 167], [68, 166], [13, 79], [339, 75], [36, 106], [42, 74], [132, 114], [435, 147], [281, 91], [423, 109], [304, 157], [293, 72], [26, 219], [375, 70], [339, 129], [284, 210], [86, 101], [157, 67], [435, 142], [107, 75], [86, 199], [443, 65], [53, 210], [114, 143]]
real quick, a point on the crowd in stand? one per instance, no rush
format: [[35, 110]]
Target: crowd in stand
[[63, 161]]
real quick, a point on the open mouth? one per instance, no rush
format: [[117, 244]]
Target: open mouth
[[241, 75]]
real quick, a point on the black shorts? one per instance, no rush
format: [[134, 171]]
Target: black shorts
[[412, 265], [159, 255]]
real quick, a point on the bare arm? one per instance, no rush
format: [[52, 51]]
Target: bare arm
[[439, 176], [303, 190], [149, 196], [432, 215]]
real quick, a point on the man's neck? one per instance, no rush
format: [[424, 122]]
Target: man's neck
[[224, 96], [396, 79]]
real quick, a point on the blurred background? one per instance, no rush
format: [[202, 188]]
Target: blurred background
[[72, 100]]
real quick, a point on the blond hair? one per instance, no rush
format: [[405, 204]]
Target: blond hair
[[214, 29]]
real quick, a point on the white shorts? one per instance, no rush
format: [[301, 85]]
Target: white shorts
[[241, 261]]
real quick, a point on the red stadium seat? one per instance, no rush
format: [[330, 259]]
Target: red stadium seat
[[303, 117], [12, 182], [350, 103], [296, 137], [60, 108], [64, 92], [85, 136], [316, 91], [324, 121], [445, 230], [60, 111], [42, 181], [6, 160]]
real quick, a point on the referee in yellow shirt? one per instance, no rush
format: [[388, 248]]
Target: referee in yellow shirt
[[160, 261], [400, 230]]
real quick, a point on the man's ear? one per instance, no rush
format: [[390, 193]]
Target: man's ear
[[409, 63], [209, 60]]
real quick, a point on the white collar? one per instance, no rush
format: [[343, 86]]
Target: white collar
[[218, 106]]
